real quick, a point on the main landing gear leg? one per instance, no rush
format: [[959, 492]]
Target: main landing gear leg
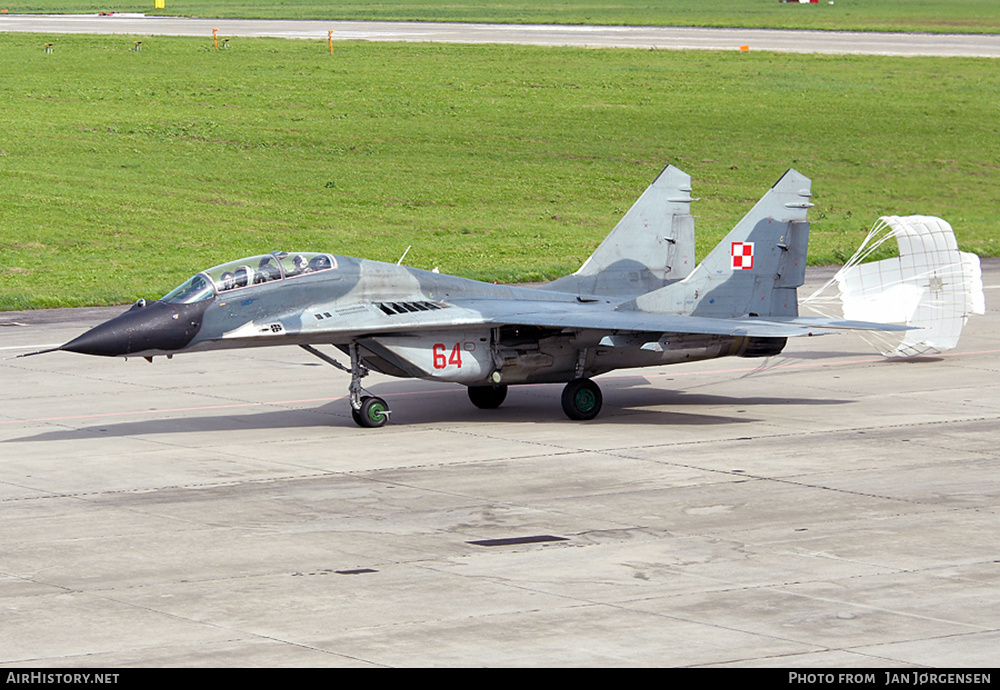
[[581, 398]]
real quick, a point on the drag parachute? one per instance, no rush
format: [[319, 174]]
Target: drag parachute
[[931, 286]]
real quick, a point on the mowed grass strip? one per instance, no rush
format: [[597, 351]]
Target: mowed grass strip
[[125, 172], [975, 16]]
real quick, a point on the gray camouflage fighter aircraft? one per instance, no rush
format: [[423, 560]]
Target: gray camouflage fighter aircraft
[[637, 301]]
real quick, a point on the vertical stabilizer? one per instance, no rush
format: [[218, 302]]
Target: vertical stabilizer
[[652, 245], [755, 269]]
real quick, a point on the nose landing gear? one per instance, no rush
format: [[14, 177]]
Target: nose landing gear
[[368, 411]]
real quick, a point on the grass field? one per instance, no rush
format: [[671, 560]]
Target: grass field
[[124, 172], [853, 15]]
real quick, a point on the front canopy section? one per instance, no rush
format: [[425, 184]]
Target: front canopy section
[[253, 270]]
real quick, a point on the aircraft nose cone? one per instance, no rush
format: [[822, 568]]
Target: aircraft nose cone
[[154, 328]]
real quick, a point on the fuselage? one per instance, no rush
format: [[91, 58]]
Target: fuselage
[[406, 321]]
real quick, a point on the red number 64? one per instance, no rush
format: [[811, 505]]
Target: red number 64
[[441, 361]]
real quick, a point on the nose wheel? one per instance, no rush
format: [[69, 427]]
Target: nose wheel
[[373, 413]]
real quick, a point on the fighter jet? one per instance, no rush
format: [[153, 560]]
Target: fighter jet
[[638, 301]]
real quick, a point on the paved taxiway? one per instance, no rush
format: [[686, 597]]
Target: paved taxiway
[[821, 508], [836, 42]]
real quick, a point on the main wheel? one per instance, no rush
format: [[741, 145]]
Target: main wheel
[[487, 397], [581, 399], [374, 413]]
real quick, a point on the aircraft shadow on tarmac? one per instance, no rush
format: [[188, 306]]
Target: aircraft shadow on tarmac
[[626, 402]]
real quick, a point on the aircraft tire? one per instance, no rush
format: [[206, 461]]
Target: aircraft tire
[[487, 397], [374, 413], [356, 414], [582, 399]]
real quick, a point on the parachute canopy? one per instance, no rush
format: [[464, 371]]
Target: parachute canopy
[[932, 286]]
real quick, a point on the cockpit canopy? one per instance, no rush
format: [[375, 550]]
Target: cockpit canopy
[[247, 272]]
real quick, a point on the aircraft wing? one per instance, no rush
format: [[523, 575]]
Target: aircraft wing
[[583, 316]]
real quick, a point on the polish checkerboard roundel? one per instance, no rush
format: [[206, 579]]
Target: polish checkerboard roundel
[[742, 256]]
